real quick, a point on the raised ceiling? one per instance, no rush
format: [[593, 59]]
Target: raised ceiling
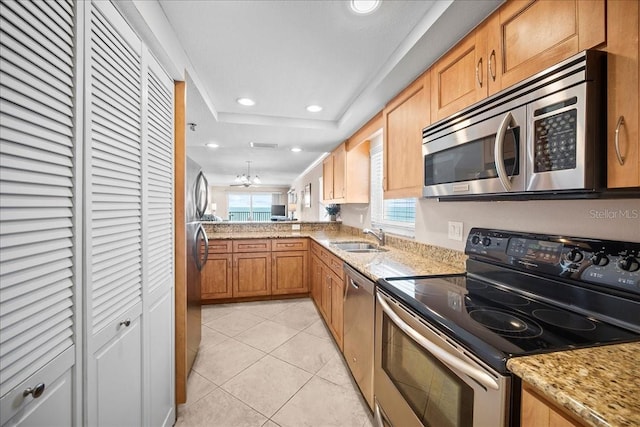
[[287, 55]]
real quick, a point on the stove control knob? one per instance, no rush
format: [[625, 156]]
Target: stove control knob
[[475, 239], [486, 241], [600, 259], [574, 255], [629, 264]]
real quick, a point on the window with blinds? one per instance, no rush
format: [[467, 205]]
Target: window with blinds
[[37, 161], [394, 215], [115, 185]]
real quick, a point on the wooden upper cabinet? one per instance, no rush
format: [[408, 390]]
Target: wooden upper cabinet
[[535, 35], [622, 74], [339, 171], [404, 118], [458, 79], [327, 179]]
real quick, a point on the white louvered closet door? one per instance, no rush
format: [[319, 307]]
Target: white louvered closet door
[[38, 220], [158, 247], [113, 236]]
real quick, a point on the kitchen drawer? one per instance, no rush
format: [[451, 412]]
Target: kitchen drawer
[[336, 265], [289, 245], [315, 249], [220, 246], [252, 245]]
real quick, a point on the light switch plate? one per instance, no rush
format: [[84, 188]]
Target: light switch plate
[[295, 227], [455, 230]]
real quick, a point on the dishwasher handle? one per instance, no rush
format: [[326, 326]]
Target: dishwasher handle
[[357, 281]]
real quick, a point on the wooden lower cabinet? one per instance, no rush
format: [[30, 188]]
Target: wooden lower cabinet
[[289, 272], [217, 277], [327, 290], [251, 274], [536, 411]]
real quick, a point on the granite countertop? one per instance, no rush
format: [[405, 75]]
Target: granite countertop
[[392, 262], [600, 385]]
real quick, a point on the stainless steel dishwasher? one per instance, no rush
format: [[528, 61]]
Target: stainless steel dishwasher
[[359, 319]]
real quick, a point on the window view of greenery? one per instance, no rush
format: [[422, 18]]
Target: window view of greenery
[[249, 206]]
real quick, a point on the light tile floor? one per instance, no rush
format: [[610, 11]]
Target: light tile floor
[[270, 363]]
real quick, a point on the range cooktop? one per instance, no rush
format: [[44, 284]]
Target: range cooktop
[[528, 294]]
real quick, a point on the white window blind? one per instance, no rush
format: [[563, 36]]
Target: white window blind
[[115, 181], [394, 215], [36, 186]]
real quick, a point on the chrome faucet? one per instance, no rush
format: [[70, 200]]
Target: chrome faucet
[[379, 235]]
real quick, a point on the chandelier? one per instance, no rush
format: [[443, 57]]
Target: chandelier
[[246, 179]]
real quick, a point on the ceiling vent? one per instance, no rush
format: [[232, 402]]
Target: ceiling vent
[[262, 145]]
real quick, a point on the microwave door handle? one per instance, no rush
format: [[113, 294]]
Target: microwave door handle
[[442, 355], [498, 151]]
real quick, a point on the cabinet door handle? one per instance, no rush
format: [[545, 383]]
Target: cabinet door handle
[[478, 72], [491, 72], [617, 140], [36, 391], [125, 323]]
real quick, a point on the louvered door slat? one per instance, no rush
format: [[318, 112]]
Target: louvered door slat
[[36, 186], [159, 181]]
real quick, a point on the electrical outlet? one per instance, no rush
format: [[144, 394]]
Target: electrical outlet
[[295, 227], [455, 230]]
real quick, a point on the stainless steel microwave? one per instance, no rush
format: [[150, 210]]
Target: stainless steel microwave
[[543, 136]]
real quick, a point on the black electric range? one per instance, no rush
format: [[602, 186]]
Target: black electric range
[[525, 294]]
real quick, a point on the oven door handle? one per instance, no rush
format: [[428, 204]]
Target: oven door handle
[[442, 355], [498, 151]]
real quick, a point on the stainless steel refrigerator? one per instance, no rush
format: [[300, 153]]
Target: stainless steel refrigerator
[[197, 252]]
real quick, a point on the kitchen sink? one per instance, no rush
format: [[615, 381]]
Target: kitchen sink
[[362, 247]]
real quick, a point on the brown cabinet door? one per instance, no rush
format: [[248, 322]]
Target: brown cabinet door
[[622, 75], [251, 274], [327, 179], [337, 308], [316, 280], [217, 277], [459, 78], [404, 118], [339, 172], [536, 35], [325, 296], [289, 272], [538, 412]]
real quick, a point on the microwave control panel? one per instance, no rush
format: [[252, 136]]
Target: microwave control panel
[[555, 142]]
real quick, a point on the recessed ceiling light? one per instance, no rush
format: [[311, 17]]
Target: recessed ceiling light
[[247, 102], [296, 149], [364, 7], [212, 145], [314, 108]]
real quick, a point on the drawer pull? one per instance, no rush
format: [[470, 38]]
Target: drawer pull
[[125, 323], [36, 391]]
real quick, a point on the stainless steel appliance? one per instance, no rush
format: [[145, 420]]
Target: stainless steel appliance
[[442, 342], [545, 135], [197, 253], [358, 330]]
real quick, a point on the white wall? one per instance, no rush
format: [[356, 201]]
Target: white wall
[[602, 219], [312, 176]]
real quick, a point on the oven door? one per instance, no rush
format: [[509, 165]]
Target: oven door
[[486, 157], [422, 379]]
